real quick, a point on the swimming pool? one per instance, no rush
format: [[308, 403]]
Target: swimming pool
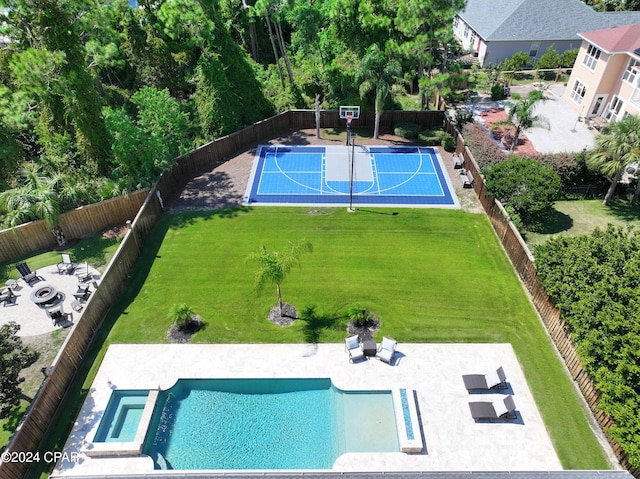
[[266, 424]]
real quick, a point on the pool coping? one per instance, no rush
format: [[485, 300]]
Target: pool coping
[[451, 439]]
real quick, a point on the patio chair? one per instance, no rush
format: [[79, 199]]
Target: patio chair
[[501, 409], [386, 350], [27, 275], [494, 379], [83, 274], [354, 348], [83, 293], [66, 266], [56, 314], [7, 296]]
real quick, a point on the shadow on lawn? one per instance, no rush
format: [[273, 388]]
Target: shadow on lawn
[[188, 218], [624, 211], [315, 322], [555, 222]]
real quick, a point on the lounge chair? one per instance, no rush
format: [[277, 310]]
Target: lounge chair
[[27, 275], [354, 348], [66, 266], [386, 350], [493, 379], [83, 293], [7, 296], [501, 409]]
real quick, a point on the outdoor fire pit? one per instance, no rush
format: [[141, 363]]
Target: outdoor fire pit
[[45, 294]]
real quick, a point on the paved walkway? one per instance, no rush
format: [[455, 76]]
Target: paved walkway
[[453, 441], [565, 133], [33, 319]]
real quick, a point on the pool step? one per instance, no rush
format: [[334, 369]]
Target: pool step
[[407, 422]]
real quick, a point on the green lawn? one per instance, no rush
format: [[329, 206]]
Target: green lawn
[[579, 217], [430, 276]]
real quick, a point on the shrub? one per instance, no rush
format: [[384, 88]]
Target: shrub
[[528, 186], [431, 137], [358, 316], [484, 149], [181, 315], [407, 130], [572, 169], [463, 115], [448, 143], [497, 91]]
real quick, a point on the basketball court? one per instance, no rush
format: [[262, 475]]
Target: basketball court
[[354, 175]]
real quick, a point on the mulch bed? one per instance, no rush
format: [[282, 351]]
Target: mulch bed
[[503, 135]]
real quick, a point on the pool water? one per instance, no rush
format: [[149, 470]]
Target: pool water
[[266, 424], [122, 416]]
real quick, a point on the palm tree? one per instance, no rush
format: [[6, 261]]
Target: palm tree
[[521, 116], [274, 266], [617, 147], [378, 73], [39, 197]]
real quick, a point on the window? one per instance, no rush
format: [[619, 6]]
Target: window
[[466, 31], [590, 59], [533, 50], [614, 109], [632, 72], [473, 38], [578, 92], [456, 20]]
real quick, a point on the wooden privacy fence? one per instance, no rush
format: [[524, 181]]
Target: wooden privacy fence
[[79, 223], [523, 262]]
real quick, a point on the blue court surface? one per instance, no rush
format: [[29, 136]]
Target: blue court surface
[[341, 175]]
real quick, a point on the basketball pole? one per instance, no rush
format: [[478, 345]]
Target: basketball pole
[[351, 139]]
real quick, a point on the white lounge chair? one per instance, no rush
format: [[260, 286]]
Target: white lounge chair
[[504, 409], [493, 379], [354, 348], [66, 266], [387, 349]]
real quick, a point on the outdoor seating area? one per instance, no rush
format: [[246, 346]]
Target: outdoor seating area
[[362, 350], [49, 298]]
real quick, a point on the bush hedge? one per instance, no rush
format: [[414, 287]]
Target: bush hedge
[[409, 131], [431, 137], [595, 283]]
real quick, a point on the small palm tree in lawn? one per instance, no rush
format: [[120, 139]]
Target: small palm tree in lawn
[[521, 116], [378, 73], [273, 266], [617, 147], [39, 197]]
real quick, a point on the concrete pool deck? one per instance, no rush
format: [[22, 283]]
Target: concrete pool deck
[[453, 440]]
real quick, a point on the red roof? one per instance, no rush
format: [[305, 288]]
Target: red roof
[[615, 40]]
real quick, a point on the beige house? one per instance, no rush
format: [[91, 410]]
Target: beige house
[[605, 82]]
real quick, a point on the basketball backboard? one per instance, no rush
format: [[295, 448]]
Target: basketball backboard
[[349, 112]]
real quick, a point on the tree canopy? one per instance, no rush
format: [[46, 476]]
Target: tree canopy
[[104, 95], [14, 357]]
